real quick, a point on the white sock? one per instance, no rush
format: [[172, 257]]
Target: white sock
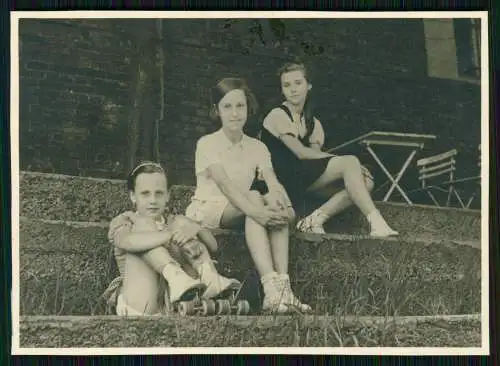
[[267, 282], [267, 277], [318, 217], [378, 223]]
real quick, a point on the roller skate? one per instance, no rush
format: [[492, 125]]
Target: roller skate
[[221, 291], [220, 296], [229, 302], [225, 303], [182, 288]]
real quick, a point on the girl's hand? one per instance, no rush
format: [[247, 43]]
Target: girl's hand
[[193, 250], [275, 201], [278, 201], [184, 232], [270, 219]]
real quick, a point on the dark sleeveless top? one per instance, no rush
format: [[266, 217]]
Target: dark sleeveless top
[[295, 174]]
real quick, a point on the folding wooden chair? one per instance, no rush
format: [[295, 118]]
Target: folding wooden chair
[[476, 178], [433, 169]]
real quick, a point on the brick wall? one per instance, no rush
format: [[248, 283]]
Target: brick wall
[[79, 86], [77, 83]]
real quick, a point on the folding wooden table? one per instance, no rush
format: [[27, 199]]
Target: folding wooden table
[[414, 142]]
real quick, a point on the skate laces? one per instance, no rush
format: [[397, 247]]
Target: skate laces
[[291, 299], [280, 297], [275, 292], [312, 223]]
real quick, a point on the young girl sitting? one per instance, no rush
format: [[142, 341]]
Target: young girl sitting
[[295, 138], [226, 163], [150, 246]]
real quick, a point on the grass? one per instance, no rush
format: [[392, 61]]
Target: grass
[[228, 331], [82, 199], [381, 285], [64, 270]]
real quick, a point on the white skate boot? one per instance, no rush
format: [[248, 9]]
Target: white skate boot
[[214, 282], [275, 294], [181, 286], [290, 299]]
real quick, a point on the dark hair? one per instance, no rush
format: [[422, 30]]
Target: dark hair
[[308, 110], [294, 66], [143, 167], [226, 85]]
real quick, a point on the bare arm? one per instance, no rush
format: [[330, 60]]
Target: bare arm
[[316, 146], [238, 199], [277, 124], [187, 229], [301, 151], [142, 241], [273, 184], [233, 194], [277, 193]]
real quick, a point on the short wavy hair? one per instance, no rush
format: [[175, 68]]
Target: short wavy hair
[[226, 85]]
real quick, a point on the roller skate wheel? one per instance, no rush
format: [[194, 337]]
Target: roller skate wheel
[[207, 307], [223, 307], [243, 307], [185, 308]]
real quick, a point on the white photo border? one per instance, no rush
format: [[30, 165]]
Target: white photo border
[[14, 130]]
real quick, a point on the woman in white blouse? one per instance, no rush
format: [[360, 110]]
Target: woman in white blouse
[[295, 138], [226, 163]]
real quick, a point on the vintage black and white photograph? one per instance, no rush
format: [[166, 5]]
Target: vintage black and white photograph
[[250, 182]]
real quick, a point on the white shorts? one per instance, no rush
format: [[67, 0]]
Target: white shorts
[[206, 213], [123, 309]]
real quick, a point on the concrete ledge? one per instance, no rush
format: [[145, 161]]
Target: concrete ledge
[[266, 320], [59, 197], [232, 331], [64, 269]]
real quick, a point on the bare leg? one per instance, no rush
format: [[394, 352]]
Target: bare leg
[[140, 285], [160, 257], [278, 239], [279, 246], [183, 282], [269, 251], [256, 237], [356, 190], [338, 200], [349, 169]]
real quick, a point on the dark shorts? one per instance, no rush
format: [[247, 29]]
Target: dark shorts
[[296, 180]]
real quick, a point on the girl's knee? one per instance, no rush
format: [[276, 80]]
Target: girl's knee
[[351, 161], [194, 250], [369, 183]]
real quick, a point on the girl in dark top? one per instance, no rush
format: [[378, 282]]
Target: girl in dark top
[[295, 138]]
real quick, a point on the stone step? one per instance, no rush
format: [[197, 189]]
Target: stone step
[[65, 267], [59, 197], [250, 331]]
